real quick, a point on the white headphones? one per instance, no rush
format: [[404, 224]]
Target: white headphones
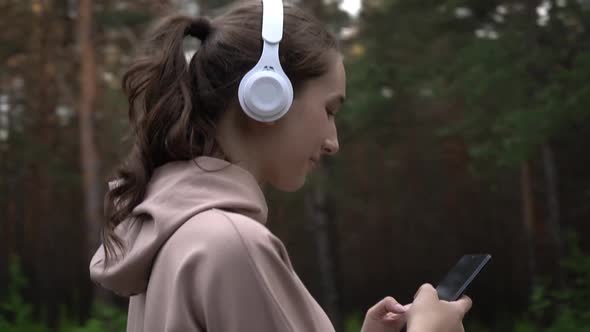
[[265, 92]]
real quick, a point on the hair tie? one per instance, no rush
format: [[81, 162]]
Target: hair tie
[[199, 28]]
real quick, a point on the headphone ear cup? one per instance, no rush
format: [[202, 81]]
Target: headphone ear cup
[[265, 95]]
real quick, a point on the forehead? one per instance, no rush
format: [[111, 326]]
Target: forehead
[[332, 83], [334, 80]]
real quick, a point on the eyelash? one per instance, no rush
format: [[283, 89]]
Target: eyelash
[[330, 113]]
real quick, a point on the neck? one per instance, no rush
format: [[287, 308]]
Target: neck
[[236, 145]]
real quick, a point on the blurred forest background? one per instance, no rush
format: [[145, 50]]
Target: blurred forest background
[[466, 130]]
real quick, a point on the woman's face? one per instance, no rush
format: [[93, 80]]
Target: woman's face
[[294, 144]]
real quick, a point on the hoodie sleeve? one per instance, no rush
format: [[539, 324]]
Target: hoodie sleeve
[[240, 279]]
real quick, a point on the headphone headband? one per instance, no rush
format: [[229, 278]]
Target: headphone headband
[[272, 20]]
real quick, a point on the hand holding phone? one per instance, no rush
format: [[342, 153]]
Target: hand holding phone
[[429, 314]]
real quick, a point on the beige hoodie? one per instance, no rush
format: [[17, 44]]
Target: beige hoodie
[[203, 259]]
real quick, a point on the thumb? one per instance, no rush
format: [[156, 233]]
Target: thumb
[[427, 289], [463, 304]]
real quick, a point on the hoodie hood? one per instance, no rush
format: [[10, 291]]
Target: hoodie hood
[[176, 192]]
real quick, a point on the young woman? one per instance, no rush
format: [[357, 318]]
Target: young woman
[[185, 236]]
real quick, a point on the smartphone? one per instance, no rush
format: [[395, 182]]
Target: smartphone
[[454, 284]]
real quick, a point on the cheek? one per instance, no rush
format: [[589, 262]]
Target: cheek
[[303, 135], [285, 152], [287, 170], [297, 138]]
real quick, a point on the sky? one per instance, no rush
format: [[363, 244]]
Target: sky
[[351, 6]]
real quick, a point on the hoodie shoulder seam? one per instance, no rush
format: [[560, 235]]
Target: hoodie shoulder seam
[[255, 267]]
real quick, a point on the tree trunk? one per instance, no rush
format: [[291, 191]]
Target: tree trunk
[[40, 222], [318, 216], [528, 215], [553, 215], [88, 153]]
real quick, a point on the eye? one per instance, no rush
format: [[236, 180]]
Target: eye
[[330, 113]]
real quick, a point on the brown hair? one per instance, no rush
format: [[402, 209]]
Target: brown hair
[[174, 109]]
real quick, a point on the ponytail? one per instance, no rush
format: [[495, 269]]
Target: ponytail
[[163, 103]]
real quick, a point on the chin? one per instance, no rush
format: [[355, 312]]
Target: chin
[[290, 185]]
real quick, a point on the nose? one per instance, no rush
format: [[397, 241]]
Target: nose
[[331, 146]]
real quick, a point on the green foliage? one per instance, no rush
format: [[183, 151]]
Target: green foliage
[[14, 307], [104, 318], [353, 322], [16, 314], [567, 306], [515, 92], [524, 326], [519, 94]]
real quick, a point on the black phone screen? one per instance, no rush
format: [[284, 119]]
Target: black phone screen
[[460, 276]]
